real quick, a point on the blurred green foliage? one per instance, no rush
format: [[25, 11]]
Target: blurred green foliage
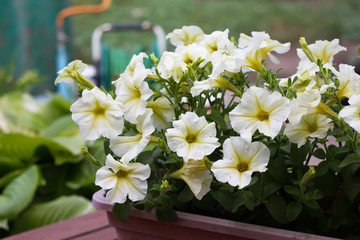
[[43, 175], [284, 20]]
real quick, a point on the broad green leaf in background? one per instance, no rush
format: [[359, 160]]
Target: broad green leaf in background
[[19, 149], [19, 193], [4, 224], [57, 210]]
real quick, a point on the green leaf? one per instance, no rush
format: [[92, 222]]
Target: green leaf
[[277, 169], [121, 211], [80, 174], [4, 180], [216, 116], [249, 200], [225, 198], [62, 127], [165, 201], [50, 212], [186, 195], [277, 208], [21, 148], [19, 193], [350, 159], [298, 155], [319, 153], [4, 224], [166, 215], [238, 202], [293, 190], [145, 157], [293, 211]]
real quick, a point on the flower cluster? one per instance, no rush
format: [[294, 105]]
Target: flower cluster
[[196, 118]]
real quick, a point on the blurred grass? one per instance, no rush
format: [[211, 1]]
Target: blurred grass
[[283, 20]]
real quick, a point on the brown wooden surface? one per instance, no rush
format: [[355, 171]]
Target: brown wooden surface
[[93, 226]]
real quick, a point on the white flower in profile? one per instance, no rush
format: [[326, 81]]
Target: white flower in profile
[[240, 160], [196, 175], [350, 113], [97, 114], [192, 137], [257, 47], [304, 76], [309, 102], [129, 147], [133, 94], [199, 87], [171, 65], [123, 179], [217, 41], [135, 69], [321, 50], [192, 53], [259, 110], [186, 36], [349, 80], [68, 74], [163, 113], [314, 125]]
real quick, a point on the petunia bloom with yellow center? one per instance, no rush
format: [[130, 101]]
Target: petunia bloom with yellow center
[[192, 137], [122, 180], [351, 113], [196, 175], [97, 114], [314, 125], [259, 110], [240, 160]]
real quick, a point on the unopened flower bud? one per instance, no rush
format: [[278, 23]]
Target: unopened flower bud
[[306, 49], [165, 186], [308, 176]]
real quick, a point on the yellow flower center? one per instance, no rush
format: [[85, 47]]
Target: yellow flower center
[[262, 115], [188, 60], [121, 174], [99, 110], [243, 166], [190, 138]]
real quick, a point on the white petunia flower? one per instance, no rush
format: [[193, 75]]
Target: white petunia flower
[[133, 93], [259, 110], [349, 80], [240, 160], [68, 74], [257, 47], [97, 114], [314, 125], [171, 65], [309, 102], [196, 175], [122, 180], [186, 36], [128, 147], [192, 53], [217, 41], [351, 113], [192, 137], [134, 70], [200, 86], [321, 50], [163, 113]]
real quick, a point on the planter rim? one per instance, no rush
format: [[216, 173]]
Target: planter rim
[[213, 224]]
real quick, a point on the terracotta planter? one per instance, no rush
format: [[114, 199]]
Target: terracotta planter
[[143, 225]]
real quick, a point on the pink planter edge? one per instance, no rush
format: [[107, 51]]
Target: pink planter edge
[[202, 224]]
